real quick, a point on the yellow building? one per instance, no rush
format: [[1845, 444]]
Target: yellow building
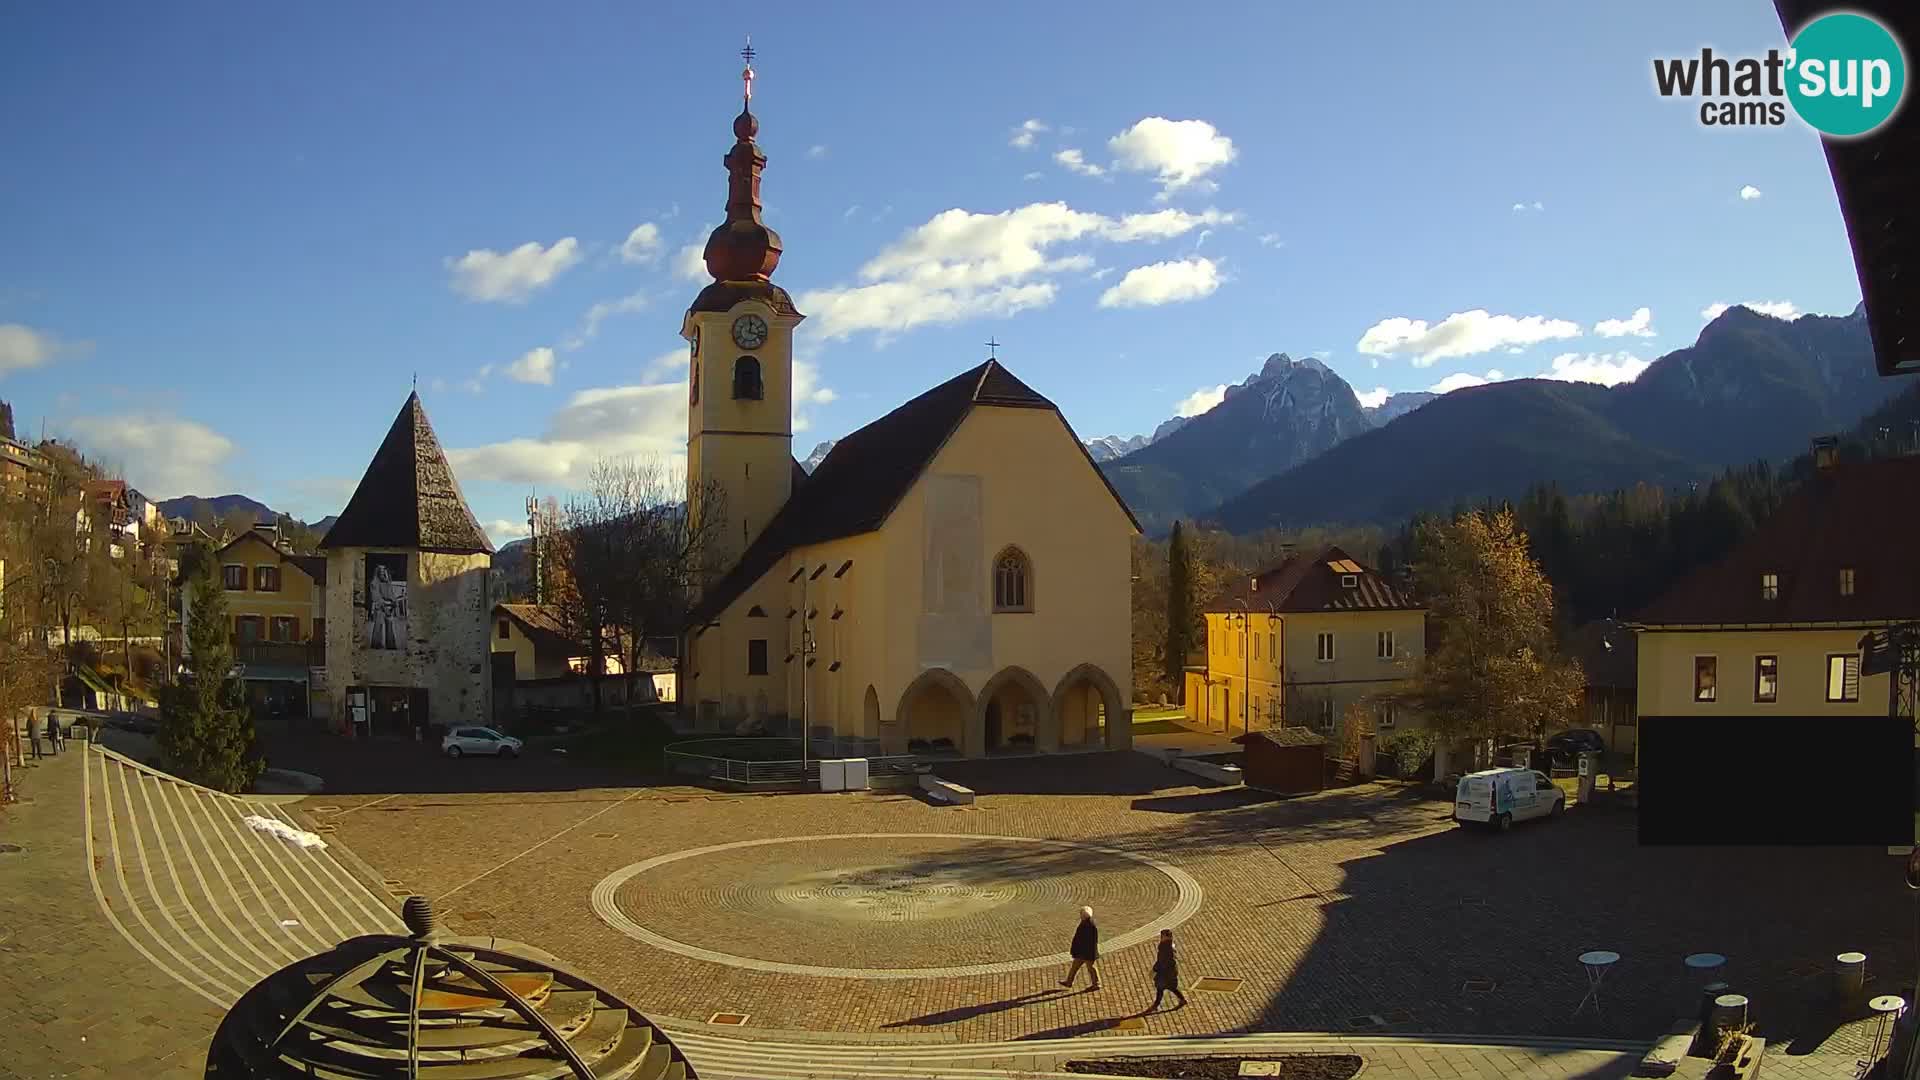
[[1303, 642], [1775, 628], [952, 578], [275, 600]]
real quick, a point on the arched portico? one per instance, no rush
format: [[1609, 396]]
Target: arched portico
[[1088, 710], [934, 712], [1013, 714]]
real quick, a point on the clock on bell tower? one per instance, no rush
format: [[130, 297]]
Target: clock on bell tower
[[740, 369]]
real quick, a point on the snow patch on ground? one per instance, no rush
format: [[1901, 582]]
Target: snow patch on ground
[[284, 831]]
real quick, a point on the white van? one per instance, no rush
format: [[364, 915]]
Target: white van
[[1500, 797]]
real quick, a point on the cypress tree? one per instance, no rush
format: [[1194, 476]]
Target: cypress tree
[[1179, 612], [206, 729]]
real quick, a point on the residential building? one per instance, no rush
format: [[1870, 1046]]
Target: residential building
[[952, 578], [537, 664], [1302, 643], [1609, 660], [407, 605], [22, 468], [1775, 627], [275, 600]]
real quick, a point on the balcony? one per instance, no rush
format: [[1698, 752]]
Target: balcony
[[292, 658]]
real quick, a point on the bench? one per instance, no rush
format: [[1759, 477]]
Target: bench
[[946, 791]]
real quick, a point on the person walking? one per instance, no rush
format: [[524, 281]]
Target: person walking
[[1166, 973], [33, 734], [1085, 951], [53, 734]]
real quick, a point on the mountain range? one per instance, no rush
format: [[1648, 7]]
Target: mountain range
[[208, 511]]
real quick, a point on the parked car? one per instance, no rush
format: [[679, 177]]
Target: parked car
[[479, 740], [1500, 797], [1566, 746]]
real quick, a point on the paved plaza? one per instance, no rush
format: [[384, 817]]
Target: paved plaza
[[868, 931]]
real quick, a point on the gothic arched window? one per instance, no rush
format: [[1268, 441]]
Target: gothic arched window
[[746, 379], [1012, 581]]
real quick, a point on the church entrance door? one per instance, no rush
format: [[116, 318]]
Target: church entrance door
[[993, 727]]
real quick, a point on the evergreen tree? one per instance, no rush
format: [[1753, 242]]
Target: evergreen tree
[[1179, 612], [206, 729]]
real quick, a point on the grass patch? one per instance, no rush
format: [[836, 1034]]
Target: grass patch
[[1156, 727], [618, 740], [1148, 716]]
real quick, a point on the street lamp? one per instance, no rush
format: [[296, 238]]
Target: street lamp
[[1246, 619]]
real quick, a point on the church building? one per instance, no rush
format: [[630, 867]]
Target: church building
[[407, 611], [954, 578]]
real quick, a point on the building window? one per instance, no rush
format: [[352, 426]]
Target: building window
[[1705, 670], [1273, 650], [1326, 712], [266, 579], [1383, 644], [246, 629], [1386, 715], [1766, 678], [1769, 586], [1846, 581], [1256, 646], [1843, 677], [504, 632], [757, 656], [1323, 647], [283, 628], [746, 379], [234, 578], [1012, 582]]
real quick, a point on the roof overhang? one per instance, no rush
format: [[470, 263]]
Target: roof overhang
[[1723, 627]]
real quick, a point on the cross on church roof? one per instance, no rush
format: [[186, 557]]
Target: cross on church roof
[[746, 73], [993, 349]]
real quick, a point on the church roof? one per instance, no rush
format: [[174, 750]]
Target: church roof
[[866, 474], [409, 497]]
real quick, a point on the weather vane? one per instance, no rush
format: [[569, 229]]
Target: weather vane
[[993, 348], [746, 74]]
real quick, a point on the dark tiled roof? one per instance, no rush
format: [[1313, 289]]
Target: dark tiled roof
[[1305, 583], [1284, 736], [1874, 179], [541, 623], [409, 497], [867, 473], [1861, 516], [315, 566], [722, 295]]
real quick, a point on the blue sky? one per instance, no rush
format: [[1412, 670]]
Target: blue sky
[[230, 235]]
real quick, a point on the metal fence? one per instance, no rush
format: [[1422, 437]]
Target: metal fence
[[771, 762]]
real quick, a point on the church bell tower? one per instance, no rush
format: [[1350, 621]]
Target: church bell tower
[[740, 376]]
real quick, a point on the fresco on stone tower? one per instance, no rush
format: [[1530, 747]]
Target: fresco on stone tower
[[386, 601]]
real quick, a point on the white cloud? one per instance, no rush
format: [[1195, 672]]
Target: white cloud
[[1639, 324], [1523, 207], [164, 456], [514, 275], [817, 151], [642, 244], [598, 313], [1749, 193], [1271, 240], [1164, 283], [500, 531], [1180, 153], [1101, 273], [690, 263], [669, 364], [1032, 176], [1607, 369], [961, 265], [534, 366], [1462, 379], [1374, 398], [850, 211], [1779, 309], [1023, 135], [1200, 400], [1464, 333], [23, 347], [1075, 161]]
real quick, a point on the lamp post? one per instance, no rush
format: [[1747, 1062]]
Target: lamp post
[[1246, 620]]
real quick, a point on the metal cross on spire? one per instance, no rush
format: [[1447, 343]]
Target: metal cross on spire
[[746, 73], [993, 349]]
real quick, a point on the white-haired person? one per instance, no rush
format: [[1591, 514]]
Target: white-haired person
[[1085, 951]]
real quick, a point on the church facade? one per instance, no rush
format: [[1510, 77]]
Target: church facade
[[954, 578]]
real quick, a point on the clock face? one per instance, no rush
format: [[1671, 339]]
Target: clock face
[[749, 331]]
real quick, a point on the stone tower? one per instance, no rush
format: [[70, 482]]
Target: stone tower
[[740, 379]]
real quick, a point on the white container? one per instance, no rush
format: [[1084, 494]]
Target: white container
[[833, 774], [856, 775]]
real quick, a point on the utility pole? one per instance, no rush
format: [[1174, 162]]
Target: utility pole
[[1246, 670]]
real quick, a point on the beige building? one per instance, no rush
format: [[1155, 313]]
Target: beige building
[[952, 578], [277, 603], [1301, 643], [407, 606], [1775, 628]]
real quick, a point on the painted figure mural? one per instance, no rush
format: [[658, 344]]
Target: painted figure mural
[[386, 601]]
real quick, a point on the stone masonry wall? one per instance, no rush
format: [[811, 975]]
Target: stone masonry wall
[[446, 651]]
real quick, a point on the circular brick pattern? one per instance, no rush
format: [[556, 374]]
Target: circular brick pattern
[[925, 906]]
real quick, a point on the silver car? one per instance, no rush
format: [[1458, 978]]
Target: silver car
[[478, 740]]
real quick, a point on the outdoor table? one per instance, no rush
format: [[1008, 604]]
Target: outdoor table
[[1596, 964], [1887, 1008], [1704, 962]]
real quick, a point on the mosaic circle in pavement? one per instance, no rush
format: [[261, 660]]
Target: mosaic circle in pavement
[[892, 905]]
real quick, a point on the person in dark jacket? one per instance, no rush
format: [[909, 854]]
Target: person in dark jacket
[[1166, 973], [1085, 951], [33, 734], [53, 733]]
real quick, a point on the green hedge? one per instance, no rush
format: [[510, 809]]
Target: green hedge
[[1409, 752]]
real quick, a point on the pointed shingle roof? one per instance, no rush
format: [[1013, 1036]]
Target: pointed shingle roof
[[409, 498]]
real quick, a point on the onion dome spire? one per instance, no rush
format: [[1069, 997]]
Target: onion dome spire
[[743, 248]]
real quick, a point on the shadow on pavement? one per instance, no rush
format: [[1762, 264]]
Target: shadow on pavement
[[968, 1012]]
